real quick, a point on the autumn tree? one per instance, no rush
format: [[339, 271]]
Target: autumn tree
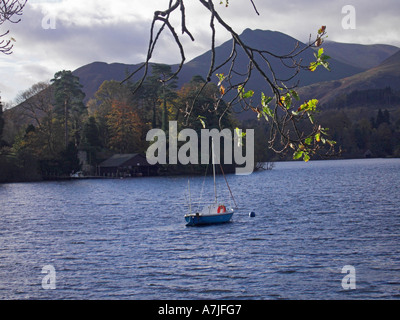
[[108, 92], [69, 106], [126, 129], [101, 105]]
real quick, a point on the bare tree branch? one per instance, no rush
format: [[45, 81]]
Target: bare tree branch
[[254, 6], [9, 9], [285, 116]]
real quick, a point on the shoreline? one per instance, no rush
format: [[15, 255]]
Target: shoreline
[[162, 174]]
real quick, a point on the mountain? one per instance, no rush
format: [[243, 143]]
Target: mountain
[[321, 84], [387, 74], [359, 55], [278, 43], [94, 74]]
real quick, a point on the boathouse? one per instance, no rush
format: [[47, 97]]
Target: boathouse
[[127, 165]]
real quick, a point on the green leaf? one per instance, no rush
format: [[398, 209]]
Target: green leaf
[[326, 65], [312, 105], [295, 95], [267, 112], [309, 106], [321, 60], [308, 141], [298, 154], [240, 136], [325, 57], [311, 117], [306, 157], [324, 131], [248, 94], [331, 142], [265, 100], [200, 118], [320, 52], [288, 101], [313, 66], [221, 78]]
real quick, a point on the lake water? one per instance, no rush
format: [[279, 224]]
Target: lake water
[[127, 239]]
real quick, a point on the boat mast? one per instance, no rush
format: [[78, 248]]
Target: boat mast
[[213, 162], [190, 199]]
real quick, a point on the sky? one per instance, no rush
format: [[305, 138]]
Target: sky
[[56, 35]]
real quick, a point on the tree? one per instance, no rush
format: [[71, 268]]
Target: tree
[[1, 121], [125, 129], [162, 72], [90, 133], [108, 92], [69, 160], [101, 105], [69, 104], [8, 10], [148, 99], [37, 103], [193, 104], [91, 141], [282, 109], [382, 140], [156, 93]]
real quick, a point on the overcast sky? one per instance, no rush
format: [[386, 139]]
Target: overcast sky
[[118, 31]]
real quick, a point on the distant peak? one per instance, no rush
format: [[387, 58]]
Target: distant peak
[[248, 30]]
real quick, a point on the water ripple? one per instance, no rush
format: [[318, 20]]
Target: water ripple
[[126, 239]]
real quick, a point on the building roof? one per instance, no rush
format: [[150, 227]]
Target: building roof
[[123, 160]]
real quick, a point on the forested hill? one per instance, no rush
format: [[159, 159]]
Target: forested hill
[[358, 55], [94, 74], [387, 74]]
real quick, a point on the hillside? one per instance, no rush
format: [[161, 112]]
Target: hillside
[[322, 84], [359, 55], [387, 74], [94, 74], [279, 44]]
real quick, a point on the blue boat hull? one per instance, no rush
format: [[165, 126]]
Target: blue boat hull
[[197, 220]]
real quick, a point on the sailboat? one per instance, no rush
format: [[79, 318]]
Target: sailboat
[[215, 213]]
